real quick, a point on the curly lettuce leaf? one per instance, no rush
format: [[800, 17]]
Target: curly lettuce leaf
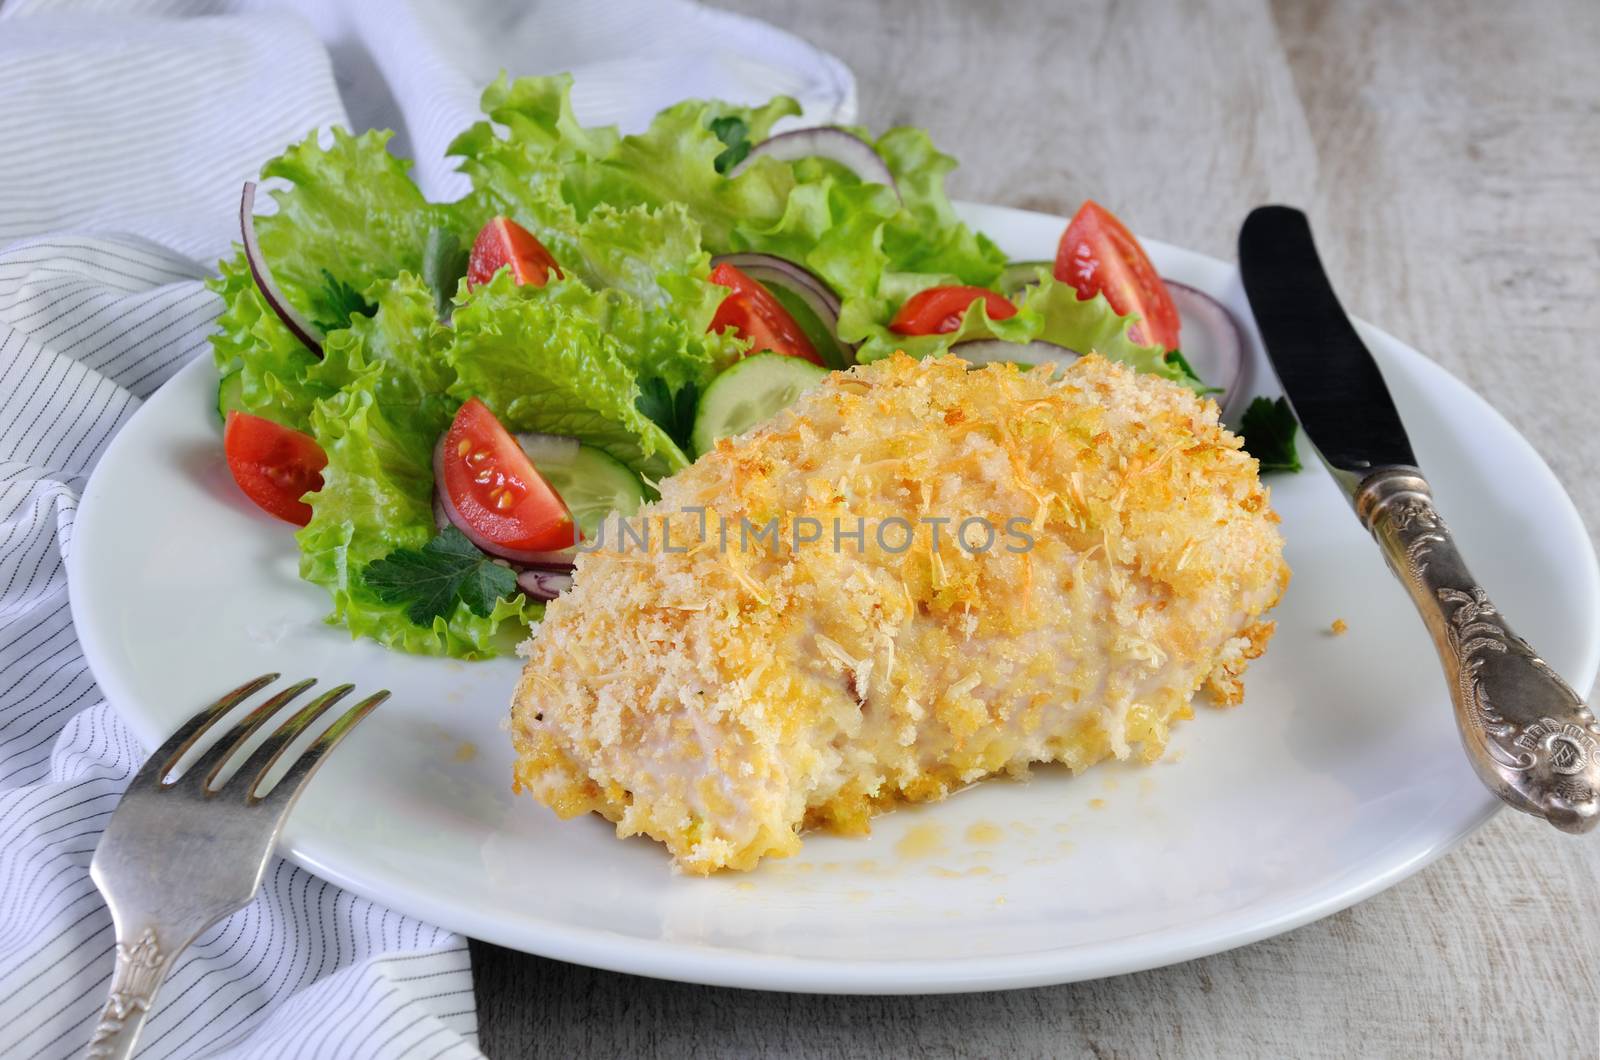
[[519, 180], [675, 160], [349, 220], [771, 206], [379, 431], [250, 339], [651, 291], [550, 171], [351, 209], [653, 254], [556, 360], [926, 235], [398, 355]]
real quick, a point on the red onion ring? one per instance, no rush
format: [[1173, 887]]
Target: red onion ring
[[769, 268], [823, 141], [1212, 342], [543, 584], [999, 351], [301, 328], [555, 562]]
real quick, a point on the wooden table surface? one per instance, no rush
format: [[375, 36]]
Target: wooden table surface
[[1450, 157]]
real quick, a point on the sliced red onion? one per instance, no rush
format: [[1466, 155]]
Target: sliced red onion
[[769, 268], [548, 448], [543, 584], [773, 271], [555, 562], [824, 141], [518, 556], [999, 351], [301, 328], [1212, 342]]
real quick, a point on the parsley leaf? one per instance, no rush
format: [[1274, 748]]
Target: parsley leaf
[[1268, 429], [673, 413], [444, 262], [343, 302], [1177, 358], [735, 134], [430, 580]]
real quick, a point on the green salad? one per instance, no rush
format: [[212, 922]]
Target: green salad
[[572, 299]]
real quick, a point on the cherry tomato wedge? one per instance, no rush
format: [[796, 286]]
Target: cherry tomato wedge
[[759, 317], [504, 242], [495, 488], [1098, 255], [938, 310], [274, 465]]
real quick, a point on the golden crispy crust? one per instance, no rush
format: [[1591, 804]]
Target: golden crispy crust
[[720, 699]]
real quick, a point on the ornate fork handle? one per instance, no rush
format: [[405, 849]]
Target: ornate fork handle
[[1529, 736], [141, 965]]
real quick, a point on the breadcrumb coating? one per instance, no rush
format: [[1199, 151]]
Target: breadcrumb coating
[[721, 697]]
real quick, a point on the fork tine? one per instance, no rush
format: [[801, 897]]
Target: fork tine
[[311, 758], [166, 756], [262, 758], [203, 772]]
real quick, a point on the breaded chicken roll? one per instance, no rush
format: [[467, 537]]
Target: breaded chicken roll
[[919, 575]]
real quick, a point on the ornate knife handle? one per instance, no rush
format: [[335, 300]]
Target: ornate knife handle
[[1528, 735]]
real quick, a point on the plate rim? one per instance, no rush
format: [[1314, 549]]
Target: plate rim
[[730, 967]]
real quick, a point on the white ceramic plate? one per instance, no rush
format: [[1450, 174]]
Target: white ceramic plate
[[1340, 775]]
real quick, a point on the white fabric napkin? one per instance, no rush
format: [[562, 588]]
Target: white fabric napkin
[[126, 129]]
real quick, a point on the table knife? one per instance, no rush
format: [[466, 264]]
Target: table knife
[[1529, 736]]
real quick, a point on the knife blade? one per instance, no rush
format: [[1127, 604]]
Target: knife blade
[[1529, 737], [1330, 378]]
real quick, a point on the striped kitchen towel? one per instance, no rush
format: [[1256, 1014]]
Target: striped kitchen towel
[[126, 129]]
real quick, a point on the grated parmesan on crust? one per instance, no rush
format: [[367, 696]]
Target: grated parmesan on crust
[[721, 700]]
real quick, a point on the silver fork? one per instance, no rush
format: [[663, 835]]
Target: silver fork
[[178, 857]]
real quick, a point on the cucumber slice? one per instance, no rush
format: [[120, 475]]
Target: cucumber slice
[[593, 484], [230, 394], [750, 393]]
